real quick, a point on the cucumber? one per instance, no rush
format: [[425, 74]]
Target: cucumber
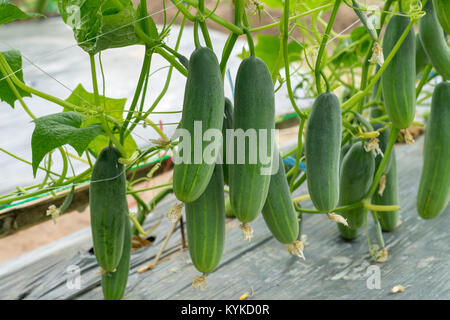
[[254, 108], [205, 224], [434, 187], [108, 208], [227, 124], [442, 8], [434, 41], [204, 102], [357, 172], [323, 149], [398, 79], [421, 57], [278, 211], [114, 283], [389, 220]]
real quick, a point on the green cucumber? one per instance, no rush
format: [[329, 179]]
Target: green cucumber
[[357, 172], [323, 149], [203, 103], [227, 124], [398, 79], [205, 224], [254, 109], [388, 220], [434, 41], [114, 283], [108, 208], [278, 211], [434, 187], [442, 8], [421, 56]]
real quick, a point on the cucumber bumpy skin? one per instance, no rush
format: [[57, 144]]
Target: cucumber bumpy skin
[[205, 224], [434, 188], [108, 208], [254, 108], [398, 79], [323, 149], [204, 102]]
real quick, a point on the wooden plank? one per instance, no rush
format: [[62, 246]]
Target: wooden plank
[[419, 257]]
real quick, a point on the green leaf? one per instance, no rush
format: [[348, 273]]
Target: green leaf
[[113, 107], [10, 12], [55, 130], [268, 49], [100, 24], [14, 59]]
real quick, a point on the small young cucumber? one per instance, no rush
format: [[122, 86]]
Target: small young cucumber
[[254, 114], [357, 172], [398, 79], [434, 187], [434, 41], [323, 149], [203, 104], [114, 283], [205, 224], [108, 208], [442, 8], [227, 124], [278, 211], [388, 220]]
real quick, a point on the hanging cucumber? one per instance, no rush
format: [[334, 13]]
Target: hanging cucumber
[[108, 207], [434, 41], [323, 148], [388, 220], [434, 187], [254, 109], [278, 211], [205, 224], [227, 124], [357, 172], [398, 79], [442, 8], [203, 104], [114, 283]]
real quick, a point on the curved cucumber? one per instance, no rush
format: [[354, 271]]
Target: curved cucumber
[[357, 172], [323, 149], [205, 224], [203, 104], [398, 79], [434, 41], [254, 109], [389, 220], [227, 124], [114, 283], [442, 8], [109, 208], [434, 187], [278, 211]]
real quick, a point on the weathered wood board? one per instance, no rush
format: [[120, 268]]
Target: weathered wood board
[[419, 259]]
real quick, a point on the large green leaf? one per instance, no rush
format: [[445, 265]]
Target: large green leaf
[[55, 130], [100, 24], [10, 12], [268, 49], [113, 107], [14, 59]]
